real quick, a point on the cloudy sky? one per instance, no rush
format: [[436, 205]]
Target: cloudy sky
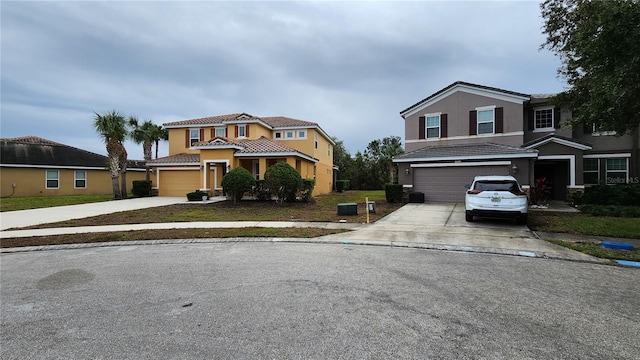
[[349, 66]]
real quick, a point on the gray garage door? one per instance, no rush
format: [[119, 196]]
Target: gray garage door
[[446, 184]]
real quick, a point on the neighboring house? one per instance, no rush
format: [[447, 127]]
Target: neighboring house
[[202, 151], [32, 166], [466, 130]]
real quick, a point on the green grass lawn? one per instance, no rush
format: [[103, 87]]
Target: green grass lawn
[[35, 202], [583, 224]]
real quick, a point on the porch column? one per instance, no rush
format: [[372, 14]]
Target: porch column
[[262, 163]]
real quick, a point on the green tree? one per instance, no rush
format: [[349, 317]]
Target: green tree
[[159, 133], [381, 153], [141, 134], [236, 182], [342, 159], [111, 127], [598, 43], [283, 181]]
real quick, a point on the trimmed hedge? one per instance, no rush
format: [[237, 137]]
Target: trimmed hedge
[[141, 188], [236, 182], [620, 194], [306, 189], [393, 193], [196, 195]]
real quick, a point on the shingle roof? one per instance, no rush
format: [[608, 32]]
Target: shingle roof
[[464, 152], [36, 151], [273, 121], [176, 159], [564, 139], [466, 84]]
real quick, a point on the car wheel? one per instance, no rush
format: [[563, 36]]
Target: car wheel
[[522, 220], [468, 216]]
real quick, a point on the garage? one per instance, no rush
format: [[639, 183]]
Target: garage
[[178, 182], [445, 183]]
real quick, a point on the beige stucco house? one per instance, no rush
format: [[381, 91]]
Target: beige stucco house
[[203, 150]]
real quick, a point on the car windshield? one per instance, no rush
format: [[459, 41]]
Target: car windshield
[[496, 185]]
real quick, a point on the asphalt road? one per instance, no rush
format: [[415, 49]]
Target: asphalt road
[[312, 301]]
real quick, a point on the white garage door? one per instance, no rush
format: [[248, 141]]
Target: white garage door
[[446, 184], [178, 182]]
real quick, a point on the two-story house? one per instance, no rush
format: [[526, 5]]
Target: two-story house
[[203, 150], [467, 129]]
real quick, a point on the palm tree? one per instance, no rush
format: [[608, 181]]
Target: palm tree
[[159, 133], [142, 134], [111, 127]]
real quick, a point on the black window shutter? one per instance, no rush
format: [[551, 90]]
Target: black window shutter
[[556, 118], [532, 120], [443, 125], [421, 127], [499, 120], [473, 122]]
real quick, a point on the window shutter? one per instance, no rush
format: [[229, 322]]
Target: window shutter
[[213, 132], [556, 118], [443, 125], [532, 120], [246, 130], [201, 135], [236, 131], [187, 143], [499, 120], [226, 132], [473, 122], [421, 127], [587, 128]]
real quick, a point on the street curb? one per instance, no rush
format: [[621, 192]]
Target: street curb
[[319, 240]]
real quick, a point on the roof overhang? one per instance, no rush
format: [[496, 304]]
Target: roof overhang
[[277, 154], [64, 167], [560, 141], [528, 155]]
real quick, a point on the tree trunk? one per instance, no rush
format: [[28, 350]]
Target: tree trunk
[[123, 171], [114, 168]]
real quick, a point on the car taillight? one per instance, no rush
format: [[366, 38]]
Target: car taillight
[[474, 192]]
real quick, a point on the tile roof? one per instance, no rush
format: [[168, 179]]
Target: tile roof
[[176, 159], [273, 121], [464, 151], [36, 151], [483, 87], [261, 145]]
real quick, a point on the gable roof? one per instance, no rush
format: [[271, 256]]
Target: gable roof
[[33, 151], [260, 147], [498, 93], [552, 138], [483, 151]]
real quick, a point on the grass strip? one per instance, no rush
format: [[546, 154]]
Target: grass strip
[[595, 249]]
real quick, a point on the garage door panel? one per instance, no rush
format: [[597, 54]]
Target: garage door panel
[[446, 184], [178, 182]]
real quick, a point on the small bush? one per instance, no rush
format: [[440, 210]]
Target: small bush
[[611, 210], [283, 180], [393, 193], [196, 195], [260, 191], [620, 194], [342, 185], [236, 182], [306, 189], [141, 188]]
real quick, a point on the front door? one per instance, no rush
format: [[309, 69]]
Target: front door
[[556, 175]]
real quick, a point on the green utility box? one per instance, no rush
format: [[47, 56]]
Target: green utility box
[[348, 209]]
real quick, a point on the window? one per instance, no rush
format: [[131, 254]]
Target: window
[[242, 131], [591, 171], [617, 170], [600, 131], [485, 121], [221, 131], [315, 139], [53, 179], [256, 169], [194, 136], [80, 179], [328, 149], [543, 119], [277, 135], [289, 134], [302, 134], [433, 126]]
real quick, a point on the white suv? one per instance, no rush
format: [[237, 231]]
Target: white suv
[[496, 196]]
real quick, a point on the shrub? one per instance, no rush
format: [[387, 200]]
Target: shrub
[[196, 195], [611, 210], [141, 188], [283, 180], [236, 182], [393, 193], [342, 185], [537, 193], [620, 194], [306, 189], [260, 191]]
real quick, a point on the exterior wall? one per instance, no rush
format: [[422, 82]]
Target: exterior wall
[[457, 107], [32, 182], [564, 129]]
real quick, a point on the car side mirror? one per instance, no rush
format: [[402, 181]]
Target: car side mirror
[[467, 186]]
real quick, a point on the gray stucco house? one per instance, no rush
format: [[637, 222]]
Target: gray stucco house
[[467, 129]]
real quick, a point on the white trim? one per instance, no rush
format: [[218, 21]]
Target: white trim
[[606, 171], [46, 179], [475, 157], [591, 171], [491, 108], [553, 119], [216, 146], [175, 164], [497, 95], [172, 169], [466, 137], [76, 179], [462, 164], [601, 156], [278, 154], [62, 167], [572, 165], [426, 126], [556, 140], [215, 170]]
